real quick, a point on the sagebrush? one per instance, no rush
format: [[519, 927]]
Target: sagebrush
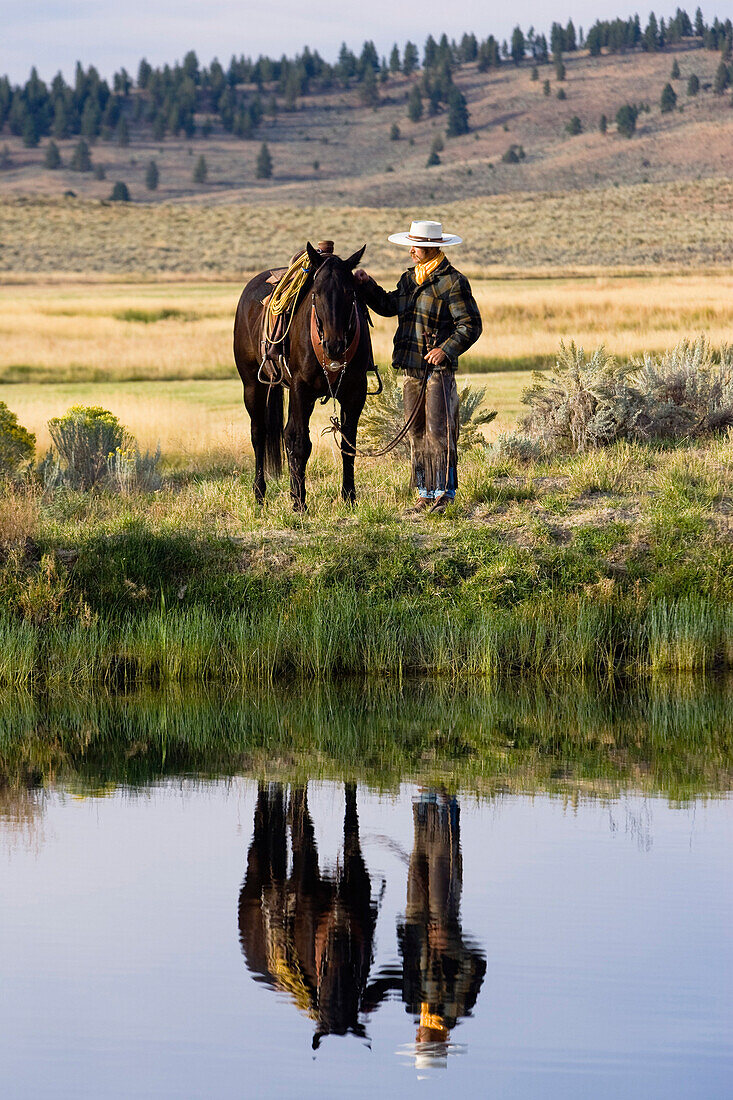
[[590, 401]]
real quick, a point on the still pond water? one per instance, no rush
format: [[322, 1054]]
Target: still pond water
[[271, 932]]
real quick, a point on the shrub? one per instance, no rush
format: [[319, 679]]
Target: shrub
[[513, 155], [119, 192], [582, 404], [16, 442], [519, 448], [84, 438], [383, 417], [152, 176], [263, 168], [589, 402], [92, 447], [684, 392]]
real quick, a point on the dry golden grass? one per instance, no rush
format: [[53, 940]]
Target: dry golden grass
[[200, 417], [70, 332], [678, 225]]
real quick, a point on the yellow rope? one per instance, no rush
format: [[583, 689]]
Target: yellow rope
[[285, 295]]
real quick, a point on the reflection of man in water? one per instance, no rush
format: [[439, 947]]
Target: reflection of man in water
[[441, 973], [308, 934]]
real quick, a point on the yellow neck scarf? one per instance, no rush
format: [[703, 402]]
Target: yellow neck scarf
[[423, 270]]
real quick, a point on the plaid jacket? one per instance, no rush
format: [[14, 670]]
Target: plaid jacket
[[441, 312]]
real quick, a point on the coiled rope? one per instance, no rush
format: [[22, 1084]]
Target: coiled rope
[[285, 295]]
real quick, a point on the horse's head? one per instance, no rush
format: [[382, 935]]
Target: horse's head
[[335, 299]]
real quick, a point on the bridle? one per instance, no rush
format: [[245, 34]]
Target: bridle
[[352, 342]]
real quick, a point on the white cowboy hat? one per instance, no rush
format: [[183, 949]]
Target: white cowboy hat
[[425, 235]]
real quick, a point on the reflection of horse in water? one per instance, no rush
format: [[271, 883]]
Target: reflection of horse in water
[[307, 933]]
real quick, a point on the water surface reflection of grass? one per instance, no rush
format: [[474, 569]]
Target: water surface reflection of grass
[[569, 737]]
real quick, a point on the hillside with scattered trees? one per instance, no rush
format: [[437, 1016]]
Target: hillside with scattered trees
[[622, 101]]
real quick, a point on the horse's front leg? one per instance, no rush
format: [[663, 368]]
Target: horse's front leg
[[351, 408], [298, 442]]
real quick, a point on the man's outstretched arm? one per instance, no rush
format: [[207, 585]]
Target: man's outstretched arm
[[384, 302]]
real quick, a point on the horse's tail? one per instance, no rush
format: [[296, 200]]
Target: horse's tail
[[274, 431]]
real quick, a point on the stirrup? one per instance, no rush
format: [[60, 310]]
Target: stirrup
[[380, 386], [266, 380]]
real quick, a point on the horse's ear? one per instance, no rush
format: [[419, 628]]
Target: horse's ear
[[316, 258], [356, 258]]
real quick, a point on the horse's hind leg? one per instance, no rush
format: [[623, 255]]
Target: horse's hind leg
[[298, 444], [255, 400]]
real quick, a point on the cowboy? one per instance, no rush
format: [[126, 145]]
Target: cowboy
[[438, 319]]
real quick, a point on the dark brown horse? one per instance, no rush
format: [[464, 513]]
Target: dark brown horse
[[331, 310]]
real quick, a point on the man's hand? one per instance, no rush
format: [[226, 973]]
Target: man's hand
[[437, 357], [360, 276]]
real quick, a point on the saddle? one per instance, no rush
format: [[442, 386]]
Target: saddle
[[278, 309]]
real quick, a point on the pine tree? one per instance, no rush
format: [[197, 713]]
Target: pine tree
[[409, 59], [457, 113], [668, 101], [722, 78], [120, 192], [414, 104], [81, 158], [675, 74], [546, 88], [369, 91], [535, 73], [31, 136], [562, 94], [693, 85], [152, 175], [52, 159], [394, 60], [517, 45], [99, 172], [6, 161], [200, 170], [394, 132], [626, 119], [123, 133], [559, 69], [575, 126], [603, 124], [263, 167]]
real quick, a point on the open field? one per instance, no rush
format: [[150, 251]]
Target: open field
[[334, 151], [103, 333], [680, 226], [205, 420]]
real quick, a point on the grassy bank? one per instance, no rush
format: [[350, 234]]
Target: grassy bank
[[618, 562]]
